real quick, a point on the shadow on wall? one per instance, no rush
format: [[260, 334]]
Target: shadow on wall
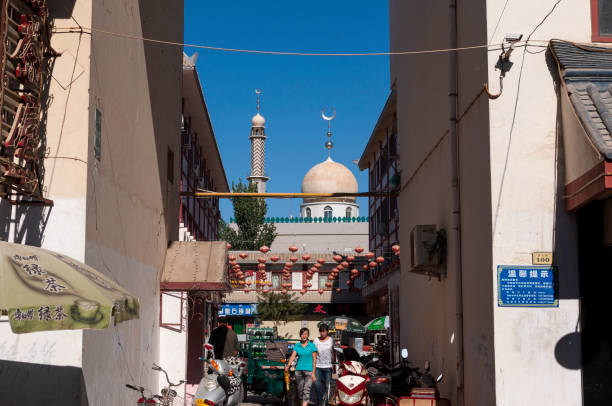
[[22, 383], [29, 223]]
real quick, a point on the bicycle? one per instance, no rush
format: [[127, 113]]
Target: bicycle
[[169, 397], [143, 398]]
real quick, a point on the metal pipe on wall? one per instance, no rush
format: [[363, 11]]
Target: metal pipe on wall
[[456, 196]]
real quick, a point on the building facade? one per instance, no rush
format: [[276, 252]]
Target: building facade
[[489, 167], [187, 310], [112, 120]]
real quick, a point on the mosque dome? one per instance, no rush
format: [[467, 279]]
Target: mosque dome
[[329, 177], [258, 120]]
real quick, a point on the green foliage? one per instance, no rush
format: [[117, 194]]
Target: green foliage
[[280, 308], [249, 213]]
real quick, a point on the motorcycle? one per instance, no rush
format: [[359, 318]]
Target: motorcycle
[[222, 381], [403, 384], [168, 397], [351, 384]]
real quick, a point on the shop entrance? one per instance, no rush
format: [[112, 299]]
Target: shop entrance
[[595, 264]]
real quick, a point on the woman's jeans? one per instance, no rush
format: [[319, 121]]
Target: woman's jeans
[[324, 376], [304, 382]]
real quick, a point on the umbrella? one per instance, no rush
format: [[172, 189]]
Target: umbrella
[[43, 290], [343, 323], [379, 323]]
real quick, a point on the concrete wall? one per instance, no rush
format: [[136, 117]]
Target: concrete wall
[[173, 344], [132, 208], [320, 237], [527, 177], [428, 306]]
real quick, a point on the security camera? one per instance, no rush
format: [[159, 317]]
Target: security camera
[[513, 37]]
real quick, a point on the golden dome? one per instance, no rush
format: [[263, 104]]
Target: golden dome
[[329, 177]]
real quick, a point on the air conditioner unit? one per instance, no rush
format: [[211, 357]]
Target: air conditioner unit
[[427, 249]]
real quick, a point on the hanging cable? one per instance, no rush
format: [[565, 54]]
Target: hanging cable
[[89, 30]]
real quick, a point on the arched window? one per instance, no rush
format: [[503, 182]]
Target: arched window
[[327, 212], [308, 212], [348, 212]]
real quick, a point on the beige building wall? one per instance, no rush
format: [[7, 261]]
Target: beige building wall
[[118, 213], [429, 326], [320, 237], [511, 198]]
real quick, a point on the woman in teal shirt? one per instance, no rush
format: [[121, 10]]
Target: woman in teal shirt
[[306, 353]]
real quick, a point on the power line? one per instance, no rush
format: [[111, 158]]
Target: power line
[[90, 30]]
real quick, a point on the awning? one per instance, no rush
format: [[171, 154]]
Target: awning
[[195, 265], [586, 120]]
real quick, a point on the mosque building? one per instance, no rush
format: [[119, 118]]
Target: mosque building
[[326, 227]]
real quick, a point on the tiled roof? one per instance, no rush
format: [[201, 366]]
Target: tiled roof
[[587, 73]]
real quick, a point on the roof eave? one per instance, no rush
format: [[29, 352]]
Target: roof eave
[[389, 108]]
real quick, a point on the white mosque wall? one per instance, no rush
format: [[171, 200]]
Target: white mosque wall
[[338, 209], [321, 237]]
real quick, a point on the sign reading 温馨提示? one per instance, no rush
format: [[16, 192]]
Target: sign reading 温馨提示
[[526, 286]]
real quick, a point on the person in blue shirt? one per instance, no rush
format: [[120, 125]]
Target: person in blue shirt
[[306, 354]]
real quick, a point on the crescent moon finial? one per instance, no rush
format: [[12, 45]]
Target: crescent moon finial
[[328, 118], [257, 92]]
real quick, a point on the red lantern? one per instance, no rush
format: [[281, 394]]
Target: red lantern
[[338, 290], [320, 291], [350, 258], [345, 264], [306, 257], [303, 291], [284, 291], [348, 283], [397, 253], [247, 290], [293, 248], [320, 261], [313, 270], [233, 263], [369, 255], [373, 264], [229, 246], [339, 268], [354, 272], [293, 259], [353, 277], [380, 260], [264, 249], [337, 258], [261, 260], [317, 265], [231, 257], [243, 255], [395, 248], [328, 284], [359, 250], [274, 258], [265, 290], [288, 264], [365, 267], [269, 283], [261, 266]]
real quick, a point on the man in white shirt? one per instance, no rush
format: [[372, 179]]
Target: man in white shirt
[[325, 360]]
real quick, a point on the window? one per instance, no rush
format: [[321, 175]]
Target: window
[[601, 21], [308, 212], [327, 212], [170, 166], [98, 135], [348, 212]]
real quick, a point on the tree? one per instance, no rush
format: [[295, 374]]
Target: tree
[[251, 232], [279, 308]]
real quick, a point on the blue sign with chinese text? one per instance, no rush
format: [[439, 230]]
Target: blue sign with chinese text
[[237, 309], [526, 286]]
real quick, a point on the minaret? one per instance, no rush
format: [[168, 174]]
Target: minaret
[[258, 150]]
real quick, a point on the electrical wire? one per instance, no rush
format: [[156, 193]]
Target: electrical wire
[[90, 30]]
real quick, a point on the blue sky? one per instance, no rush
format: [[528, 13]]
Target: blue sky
[[295, 88]]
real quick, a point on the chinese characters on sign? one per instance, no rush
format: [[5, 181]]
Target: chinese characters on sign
[[232, 309], [526, 286], [45, 313]]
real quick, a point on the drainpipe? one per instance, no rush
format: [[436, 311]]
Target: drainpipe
[[456, 197]]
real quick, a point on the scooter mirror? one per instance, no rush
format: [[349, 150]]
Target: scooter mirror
[[439, 378], [375, 359], [404, 353]]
